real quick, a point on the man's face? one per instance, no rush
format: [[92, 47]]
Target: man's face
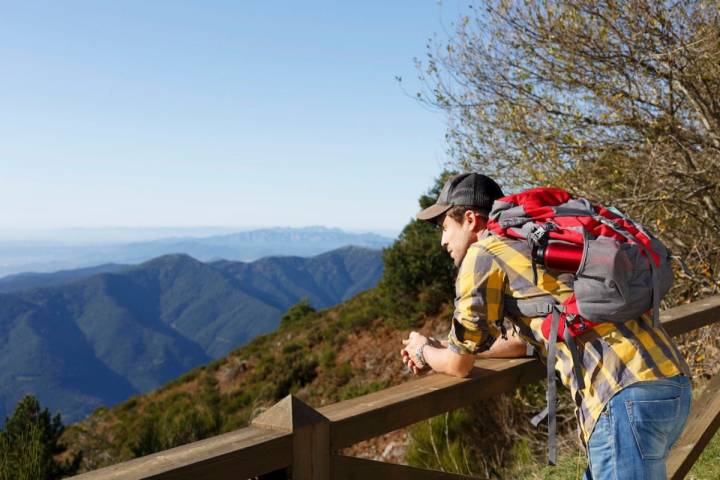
[[457, 237]]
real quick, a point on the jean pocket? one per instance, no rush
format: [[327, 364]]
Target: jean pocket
[[652, 422]]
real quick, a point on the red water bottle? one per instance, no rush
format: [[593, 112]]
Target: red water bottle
[[562, 257]]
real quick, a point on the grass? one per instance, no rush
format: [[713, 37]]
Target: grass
[[707, 466], [568, 467]]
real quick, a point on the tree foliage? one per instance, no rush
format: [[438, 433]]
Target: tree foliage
[[613, 100], [30, 443], [419, 275]]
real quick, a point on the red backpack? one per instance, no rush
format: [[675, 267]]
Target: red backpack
[[620, 270]]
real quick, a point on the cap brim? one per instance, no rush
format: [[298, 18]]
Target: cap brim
[[432, 212]]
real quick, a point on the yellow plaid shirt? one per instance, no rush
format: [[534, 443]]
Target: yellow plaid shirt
[[496, 273]]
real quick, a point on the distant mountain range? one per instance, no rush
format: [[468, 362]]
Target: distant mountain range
[[84, 338], [244, 246], [25, 281]]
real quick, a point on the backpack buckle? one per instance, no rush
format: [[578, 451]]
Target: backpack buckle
[[577, 321], [608, 221], [538, 236], [547, 308]]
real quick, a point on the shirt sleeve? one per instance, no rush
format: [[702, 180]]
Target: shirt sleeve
[[478, 303]]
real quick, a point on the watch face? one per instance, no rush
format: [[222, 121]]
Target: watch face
[[419, 357]]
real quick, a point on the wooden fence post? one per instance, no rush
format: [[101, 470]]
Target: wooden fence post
[[311, 436]]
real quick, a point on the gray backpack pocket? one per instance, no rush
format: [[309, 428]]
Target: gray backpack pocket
[[615, 281]]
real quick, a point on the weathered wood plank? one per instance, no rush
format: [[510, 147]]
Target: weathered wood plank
[[691, 316], [402, 405], [703, 422], [236, 455], [351, 468], [311, 447]]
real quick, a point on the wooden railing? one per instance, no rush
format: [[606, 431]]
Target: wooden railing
[[293, 435]]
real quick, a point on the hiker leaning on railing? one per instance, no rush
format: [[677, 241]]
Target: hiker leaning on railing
[[629, 382]]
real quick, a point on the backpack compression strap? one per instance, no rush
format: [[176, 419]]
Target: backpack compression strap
[[558, 313], [552, 388]]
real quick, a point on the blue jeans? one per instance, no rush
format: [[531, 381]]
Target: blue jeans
[[636, 429]]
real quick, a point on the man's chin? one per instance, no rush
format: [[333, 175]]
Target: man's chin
[[457, 261]]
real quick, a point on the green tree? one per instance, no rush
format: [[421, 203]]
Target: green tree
[[419, 275], [613, 100], [30, 443]]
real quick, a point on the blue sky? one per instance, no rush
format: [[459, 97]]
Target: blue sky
[[245, 113]]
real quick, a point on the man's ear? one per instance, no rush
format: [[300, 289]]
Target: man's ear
[[475, 221]]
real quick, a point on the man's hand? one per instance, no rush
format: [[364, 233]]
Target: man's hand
[[412, 343]]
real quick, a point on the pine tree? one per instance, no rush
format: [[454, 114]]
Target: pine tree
[[30, 443]]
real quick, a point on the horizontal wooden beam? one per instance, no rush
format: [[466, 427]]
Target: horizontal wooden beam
[[691, 316], [235, 455], [703, 422], [381, 412], [351, 468], [402, 405]]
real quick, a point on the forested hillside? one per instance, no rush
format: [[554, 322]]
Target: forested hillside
[[100, 339]]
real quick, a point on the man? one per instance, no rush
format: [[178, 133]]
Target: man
[[636, 394]]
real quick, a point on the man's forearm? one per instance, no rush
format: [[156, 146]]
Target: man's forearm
[[446, 361], [443, 360], [511, 347]]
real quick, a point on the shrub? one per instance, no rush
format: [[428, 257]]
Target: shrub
[[293, 371], [343, 373], [300, 312], [327, 357], [359, 314], [292, 347]]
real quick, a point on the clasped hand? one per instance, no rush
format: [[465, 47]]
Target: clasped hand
[[412, 343]]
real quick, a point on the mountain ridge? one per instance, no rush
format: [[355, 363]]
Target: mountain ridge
[[249, 245]]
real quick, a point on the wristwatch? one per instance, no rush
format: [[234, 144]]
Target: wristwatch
[[419, 357]]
